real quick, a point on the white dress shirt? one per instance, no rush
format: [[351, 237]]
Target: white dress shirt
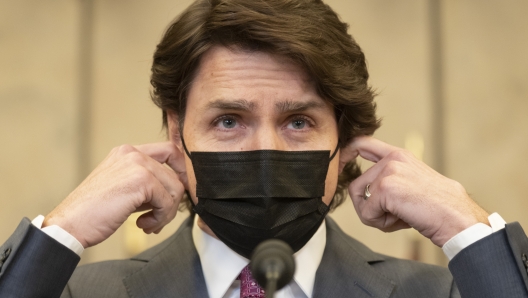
[[221, 265], [60, 235], [472, 234]]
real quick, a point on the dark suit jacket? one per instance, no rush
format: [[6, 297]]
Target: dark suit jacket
[[38, 266]]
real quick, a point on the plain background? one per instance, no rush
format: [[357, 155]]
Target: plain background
[[74, 83]]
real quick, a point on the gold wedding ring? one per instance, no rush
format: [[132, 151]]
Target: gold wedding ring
[[367, 192]]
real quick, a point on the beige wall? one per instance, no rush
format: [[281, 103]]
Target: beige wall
[[485, 84], [487, 100], [38, 90]]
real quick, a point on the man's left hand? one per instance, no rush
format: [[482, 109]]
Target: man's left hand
[[405, 193]]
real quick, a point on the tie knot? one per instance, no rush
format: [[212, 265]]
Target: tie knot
[[249, 288]]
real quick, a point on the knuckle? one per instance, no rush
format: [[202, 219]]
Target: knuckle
[[141, 176], [365, 222], [175, 188], [369, 222], [457, 186], [124, 149], [171, 199], [135, 157], [365, 216], [385, 184], [176, 195], [400, 155], [391, 168]]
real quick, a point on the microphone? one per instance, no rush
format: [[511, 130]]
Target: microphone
[[272, 265]]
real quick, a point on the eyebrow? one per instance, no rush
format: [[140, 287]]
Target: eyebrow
[[295, 106], [237, 105], [287, 106]]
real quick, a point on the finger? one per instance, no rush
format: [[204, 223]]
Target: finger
[[168, 178], [169, 154], [396, 226], [164, 207], [147, 222], [369, 148], [371, 176], [372, 212], [143, 207], [154, 221], [165, 152]]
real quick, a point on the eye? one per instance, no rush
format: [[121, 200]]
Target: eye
[[225, 122], [228, 123], [298, 123]]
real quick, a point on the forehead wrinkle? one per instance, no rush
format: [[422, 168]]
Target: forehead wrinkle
[[262, 78], [245, 70], [237, 104], [289, 106]]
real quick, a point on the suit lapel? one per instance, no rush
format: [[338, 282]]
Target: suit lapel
[[345, 269], [171, 269]]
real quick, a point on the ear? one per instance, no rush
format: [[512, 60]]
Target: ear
[[173, 126], [178, 165], [347, 154]]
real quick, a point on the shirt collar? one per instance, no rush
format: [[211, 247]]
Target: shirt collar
[[221, 265]]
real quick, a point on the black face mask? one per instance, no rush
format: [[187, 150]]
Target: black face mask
[[247, 197]]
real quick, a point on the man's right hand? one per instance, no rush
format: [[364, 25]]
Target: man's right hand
[[130, 179]]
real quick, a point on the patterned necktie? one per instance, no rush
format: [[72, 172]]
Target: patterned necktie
[[249, 288]]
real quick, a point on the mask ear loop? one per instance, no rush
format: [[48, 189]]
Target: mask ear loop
[[331, 157], [188, 154], [185, 147]]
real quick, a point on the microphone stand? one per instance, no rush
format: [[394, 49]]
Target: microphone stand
[[272, 265], [272, 275]]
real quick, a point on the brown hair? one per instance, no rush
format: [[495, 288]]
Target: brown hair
[[308, 32]]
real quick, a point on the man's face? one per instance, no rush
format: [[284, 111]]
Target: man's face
[[242, 101]]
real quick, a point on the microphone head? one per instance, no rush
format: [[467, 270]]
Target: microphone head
[[272, 258]]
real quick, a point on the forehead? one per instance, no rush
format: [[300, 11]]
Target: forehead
[[233, 59], [249, 75]]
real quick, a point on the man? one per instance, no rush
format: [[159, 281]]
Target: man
[[267, 106]]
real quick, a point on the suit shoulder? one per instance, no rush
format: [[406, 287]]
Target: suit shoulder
[[103, 277], [409, 278], [404, 272], [416, 277], [412, 269]]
